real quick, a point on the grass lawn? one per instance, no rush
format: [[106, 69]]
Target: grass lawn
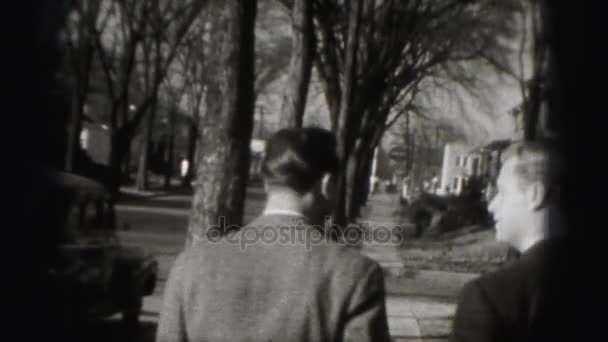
[[468, 250]]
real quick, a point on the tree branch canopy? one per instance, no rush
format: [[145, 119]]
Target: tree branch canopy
[[400, 43]]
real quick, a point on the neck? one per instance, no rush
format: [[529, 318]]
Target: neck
[[529, 241], [539, 230], [285, 201]]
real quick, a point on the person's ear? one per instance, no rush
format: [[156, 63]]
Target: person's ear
[[535, 195]]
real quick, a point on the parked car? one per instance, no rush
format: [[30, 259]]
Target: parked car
[[96, 274]]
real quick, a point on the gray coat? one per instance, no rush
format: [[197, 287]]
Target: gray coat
[[278, 288]]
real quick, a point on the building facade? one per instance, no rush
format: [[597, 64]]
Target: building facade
[[453, 171], [462, 162]]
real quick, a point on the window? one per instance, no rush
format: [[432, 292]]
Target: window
[[458, 160], [475, 167]]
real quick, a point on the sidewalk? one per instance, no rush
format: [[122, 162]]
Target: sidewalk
[[420, 303]]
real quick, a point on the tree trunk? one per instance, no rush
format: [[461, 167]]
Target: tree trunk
[[142, 181], [540, 74], [296, 92], [123, 132], [192, 139], [344, 131], [408, 146], [115, 163], [359, 185], [365, 175], [115, 160], [169, 157], [75, 126], [331, 91], [226, 127], [82, 60], [80, 92], [126, 169]]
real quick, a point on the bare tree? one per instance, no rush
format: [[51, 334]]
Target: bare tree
[[226, 126], [533, 54], [539, 81], [187, 88], [171, 92], [82, 26], [151, 57], [400, 44], [195, 91], [272, 50], [300, 67], [120, 48], [343, 123]]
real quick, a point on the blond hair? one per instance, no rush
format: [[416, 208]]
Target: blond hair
[[535, 162]]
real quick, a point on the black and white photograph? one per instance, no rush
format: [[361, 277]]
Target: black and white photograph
[[304, 170]]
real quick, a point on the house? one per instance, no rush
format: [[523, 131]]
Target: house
[[462, 162], [453, 170]]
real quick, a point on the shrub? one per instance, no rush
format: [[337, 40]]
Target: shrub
[[433, 215]]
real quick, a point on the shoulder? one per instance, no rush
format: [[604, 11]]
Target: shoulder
[[494, 286], [501, 288], [349, 262], [361, 263], [353, 278], [473, 291], [513, 273], [179, 264], [189, 260], [542, 257]]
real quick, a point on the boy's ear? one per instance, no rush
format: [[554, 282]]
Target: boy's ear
[[536, 195]]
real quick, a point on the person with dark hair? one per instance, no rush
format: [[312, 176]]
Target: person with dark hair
[[534, 297], [298, 169], [279, 278]]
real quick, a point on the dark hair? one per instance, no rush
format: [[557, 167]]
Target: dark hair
[[297, 158]]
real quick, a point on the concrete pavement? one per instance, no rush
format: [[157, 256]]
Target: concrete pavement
[[420, 303]]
